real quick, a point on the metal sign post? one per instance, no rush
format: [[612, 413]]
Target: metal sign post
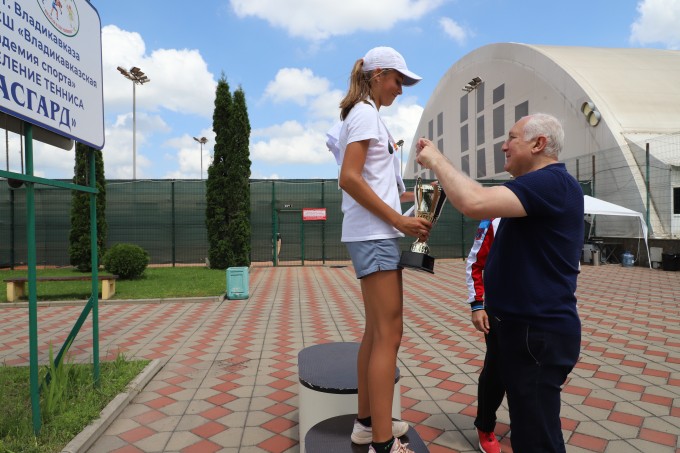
[[51, 77]]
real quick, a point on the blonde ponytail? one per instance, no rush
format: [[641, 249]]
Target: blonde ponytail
[[359, 88]]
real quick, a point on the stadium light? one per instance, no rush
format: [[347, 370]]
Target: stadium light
[[138, 78], [202, 141], [472, 84]]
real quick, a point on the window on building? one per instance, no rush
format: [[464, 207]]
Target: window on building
[[480, 97], [499, 93], [676, 200], [498, 158], [481, 163], [430, 130], [480, 130], [521, 110], [440, 124], [464, 139], [499, 121], [465, 164], [464, 108], [440, 145]]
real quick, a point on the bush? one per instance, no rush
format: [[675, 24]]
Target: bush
[[128, 261]]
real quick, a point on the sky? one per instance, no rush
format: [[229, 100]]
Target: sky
[[292, 59]]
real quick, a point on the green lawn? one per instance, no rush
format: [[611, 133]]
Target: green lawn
[[157, 282], [80, 404]]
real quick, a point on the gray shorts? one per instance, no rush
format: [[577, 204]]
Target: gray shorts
[[373, 256]]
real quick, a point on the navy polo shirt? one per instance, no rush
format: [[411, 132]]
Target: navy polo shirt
[[532, 267]]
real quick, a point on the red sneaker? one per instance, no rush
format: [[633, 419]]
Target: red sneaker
[[488, 442]]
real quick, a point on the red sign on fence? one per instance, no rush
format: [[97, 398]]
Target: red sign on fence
[[313, 214]]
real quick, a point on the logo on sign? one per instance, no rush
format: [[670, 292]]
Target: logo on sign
[[313, 214], [62, 14]]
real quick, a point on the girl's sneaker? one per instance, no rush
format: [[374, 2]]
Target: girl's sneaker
[[363, 435], [397, 447]]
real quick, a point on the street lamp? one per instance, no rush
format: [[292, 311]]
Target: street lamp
[[202, 141], [138, 78], [400, 144]]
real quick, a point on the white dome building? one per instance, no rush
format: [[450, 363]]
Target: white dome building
[[613, 103]]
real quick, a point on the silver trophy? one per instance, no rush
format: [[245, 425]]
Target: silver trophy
[[429, 202]]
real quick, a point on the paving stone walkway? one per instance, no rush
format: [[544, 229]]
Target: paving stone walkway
[[229, 382]]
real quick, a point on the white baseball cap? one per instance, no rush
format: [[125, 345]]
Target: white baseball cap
[[388, 58]]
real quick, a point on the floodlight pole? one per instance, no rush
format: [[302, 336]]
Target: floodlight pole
[[138, 78], [400, 144], [202, 141]]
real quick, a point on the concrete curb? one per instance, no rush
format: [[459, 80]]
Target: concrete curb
[[84, 440], [65, 303]]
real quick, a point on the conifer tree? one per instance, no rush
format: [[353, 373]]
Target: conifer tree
[[228, 185], [217, 214], [79, 237], [238, 192]]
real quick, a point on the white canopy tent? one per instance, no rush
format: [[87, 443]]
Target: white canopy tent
[[595, 206]]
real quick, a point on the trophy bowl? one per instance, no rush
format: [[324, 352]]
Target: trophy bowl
[[429, 202]]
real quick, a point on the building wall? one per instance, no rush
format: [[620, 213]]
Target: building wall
[[470, 125]]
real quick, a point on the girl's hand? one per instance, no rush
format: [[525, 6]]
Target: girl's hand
[[417, 227]]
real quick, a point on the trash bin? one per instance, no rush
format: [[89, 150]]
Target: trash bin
[[670, 261], [595, 257], [237, 283]]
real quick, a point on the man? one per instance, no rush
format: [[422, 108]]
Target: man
[[490, 390], [531, 271]]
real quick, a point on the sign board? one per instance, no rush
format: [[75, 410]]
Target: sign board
[[313, 214], [51, 67]]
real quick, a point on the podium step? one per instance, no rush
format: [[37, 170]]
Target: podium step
[[333, 436]]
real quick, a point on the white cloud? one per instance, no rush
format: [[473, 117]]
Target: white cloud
[[291, 143], [310, 20], [326, 106], [118, 154], [295, 143], [175, 76], [51, 162], [188, 156], [295, 85], [258, 175], [454, 30], [658, 22]]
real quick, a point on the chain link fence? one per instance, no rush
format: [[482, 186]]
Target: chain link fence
[[167, 217]]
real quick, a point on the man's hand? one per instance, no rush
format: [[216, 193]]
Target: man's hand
[[426, 153], [481, 321]]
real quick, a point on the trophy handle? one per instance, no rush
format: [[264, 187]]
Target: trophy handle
[[435, 198], [418, 193]]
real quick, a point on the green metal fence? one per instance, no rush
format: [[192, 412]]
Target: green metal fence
[[167, 219]]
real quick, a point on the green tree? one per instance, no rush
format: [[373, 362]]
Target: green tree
[[217, 214], [238, 229], [79, 238], [227, 186]]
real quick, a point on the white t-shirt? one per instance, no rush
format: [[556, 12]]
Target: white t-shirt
[[381, 172]]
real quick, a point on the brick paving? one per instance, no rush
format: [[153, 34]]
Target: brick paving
[[229, 381]]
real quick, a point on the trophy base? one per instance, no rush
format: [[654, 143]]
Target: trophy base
[[417, 261]]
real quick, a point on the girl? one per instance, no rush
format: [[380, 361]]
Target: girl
[[371, 228]]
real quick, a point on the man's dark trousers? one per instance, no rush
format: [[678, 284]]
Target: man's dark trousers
[[534, 365]]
